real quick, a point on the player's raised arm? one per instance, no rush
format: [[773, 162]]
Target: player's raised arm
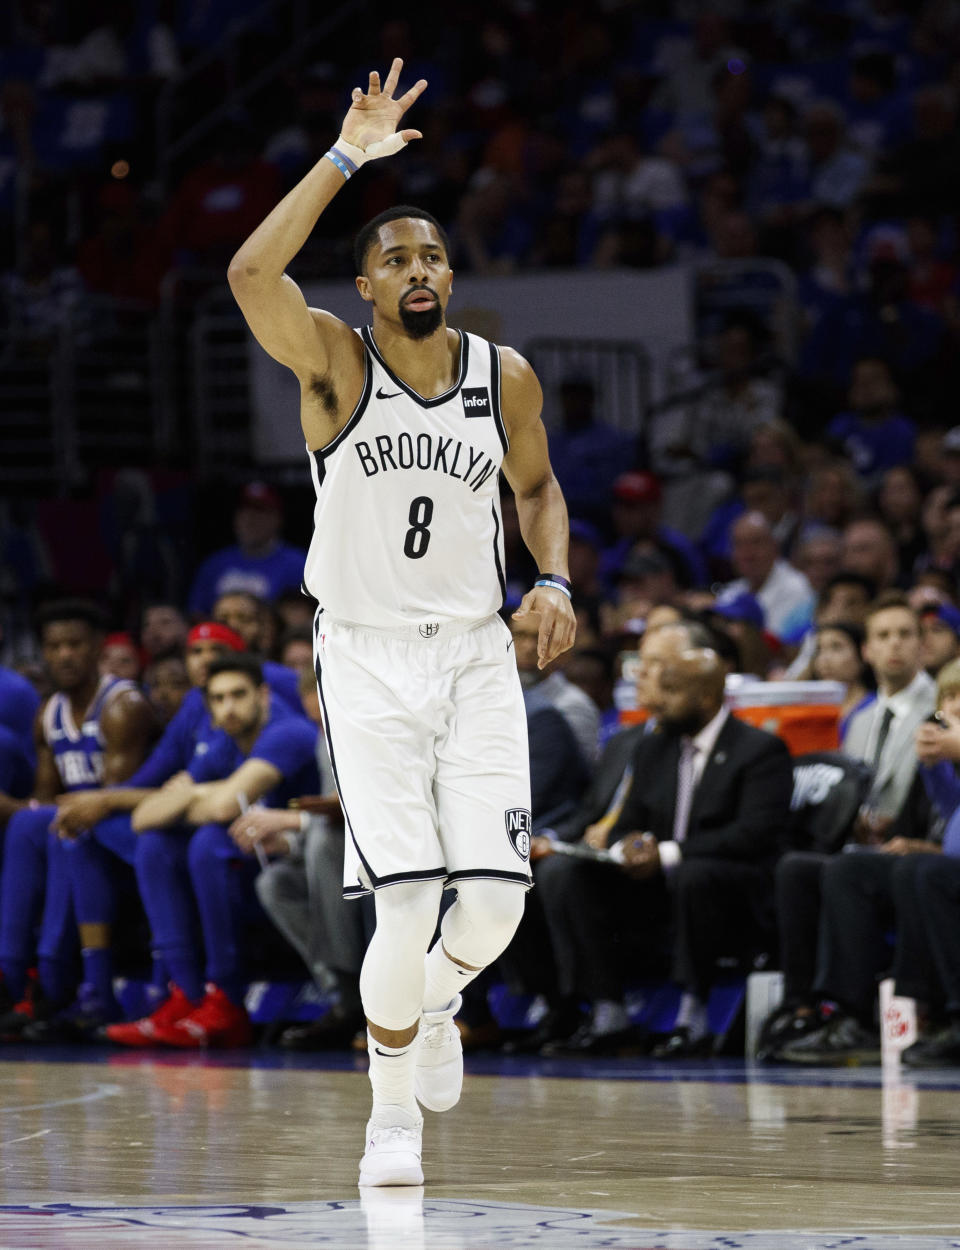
[[541, 509], [271, 302]]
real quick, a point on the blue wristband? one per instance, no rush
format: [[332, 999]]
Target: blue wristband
[[553, 581], [343, 163]]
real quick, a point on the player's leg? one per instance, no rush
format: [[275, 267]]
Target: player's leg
[[21, 895], [392, 987], [94, 865], [379, 703], [222, 881], [483, 808], [160, 863]]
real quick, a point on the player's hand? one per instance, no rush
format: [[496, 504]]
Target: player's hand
[[374, 114], [260, 824], [558, 625], [78, 812]]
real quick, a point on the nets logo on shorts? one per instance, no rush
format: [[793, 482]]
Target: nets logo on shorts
[[518, 830], [476, 401]]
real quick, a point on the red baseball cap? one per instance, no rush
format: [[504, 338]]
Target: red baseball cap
[[261, 497], [638, 487], [213, 631]]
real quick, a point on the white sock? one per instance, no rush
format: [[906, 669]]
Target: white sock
[[392, 1071], [609, 1017], [445, 979], [692, 1016]]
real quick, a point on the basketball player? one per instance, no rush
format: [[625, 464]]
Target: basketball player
[[93, 731], [407, 425]]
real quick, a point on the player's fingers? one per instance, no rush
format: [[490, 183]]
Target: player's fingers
[[548, 625], [393, 77], [415, 92], [407, 135], [374, 85]]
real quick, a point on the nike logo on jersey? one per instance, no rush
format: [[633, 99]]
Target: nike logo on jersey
[[381, 394], [386, 1055], [509, 644]]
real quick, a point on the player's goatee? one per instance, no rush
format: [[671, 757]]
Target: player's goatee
[[420, 325]]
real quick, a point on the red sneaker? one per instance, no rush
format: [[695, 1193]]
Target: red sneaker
[[148, 1031], [216, 1022]]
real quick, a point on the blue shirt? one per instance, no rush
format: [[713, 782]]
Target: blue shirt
[[231, 569], [16, 768], [18, 708], [287, 742], [191, 728], [874, 447]]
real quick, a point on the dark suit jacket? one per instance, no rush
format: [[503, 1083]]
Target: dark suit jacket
[[597, 797], [558, 773], [741, 804]]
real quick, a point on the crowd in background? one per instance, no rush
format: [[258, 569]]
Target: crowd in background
[[794, 516]]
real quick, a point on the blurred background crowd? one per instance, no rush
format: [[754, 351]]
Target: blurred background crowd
[[798, 458]]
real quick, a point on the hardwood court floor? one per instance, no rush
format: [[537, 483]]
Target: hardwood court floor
[[217, 1154]]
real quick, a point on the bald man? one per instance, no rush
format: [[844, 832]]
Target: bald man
[[697, 834], [534, 960], [784, 593]]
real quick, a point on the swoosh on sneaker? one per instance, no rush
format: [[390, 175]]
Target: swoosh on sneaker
[[381, 394], [385, 1054]]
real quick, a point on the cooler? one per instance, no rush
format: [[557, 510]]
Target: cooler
[[805, 714]]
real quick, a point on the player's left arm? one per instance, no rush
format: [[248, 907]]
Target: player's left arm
[[540, 504], [129, 726], [219, 801]]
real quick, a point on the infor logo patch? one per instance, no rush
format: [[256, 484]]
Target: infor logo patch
[[518, 830], [476, 401]]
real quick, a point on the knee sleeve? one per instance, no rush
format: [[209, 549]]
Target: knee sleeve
[[481, 923], [392, 976]]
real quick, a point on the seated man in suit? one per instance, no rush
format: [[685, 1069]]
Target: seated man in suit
[[882, 735], [696, 839], [530, 960]]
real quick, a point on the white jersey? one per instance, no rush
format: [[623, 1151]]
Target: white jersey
[[407, 527]]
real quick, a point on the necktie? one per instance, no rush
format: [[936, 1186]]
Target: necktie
[[681, 811], [885, 723], [612, 814]]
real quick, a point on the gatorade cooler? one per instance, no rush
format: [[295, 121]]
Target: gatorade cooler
[[805, 714]]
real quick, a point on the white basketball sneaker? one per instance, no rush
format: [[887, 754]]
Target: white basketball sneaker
[[394, 1143], [439, 1074]]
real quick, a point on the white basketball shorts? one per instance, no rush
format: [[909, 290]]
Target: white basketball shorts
[[428, 742]]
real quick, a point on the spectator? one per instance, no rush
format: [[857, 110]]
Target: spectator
[[167, 684], [635, 510], [295, 609], [121, 657], [545, 688], [880, 734], [262, 753], [697, 844], [784, 593], [834, 495], [587, 454], [740, 616], [163, 628], [260, 563], [899, 502], [301, 891], [869, 549], [939, 636], [874, 435], [564, 963], [836, 173], [296, 649], [838, 657], [819, 556]]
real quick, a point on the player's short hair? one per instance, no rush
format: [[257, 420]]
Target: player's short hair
[[368, 233], [85, 610], [237, 662]]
